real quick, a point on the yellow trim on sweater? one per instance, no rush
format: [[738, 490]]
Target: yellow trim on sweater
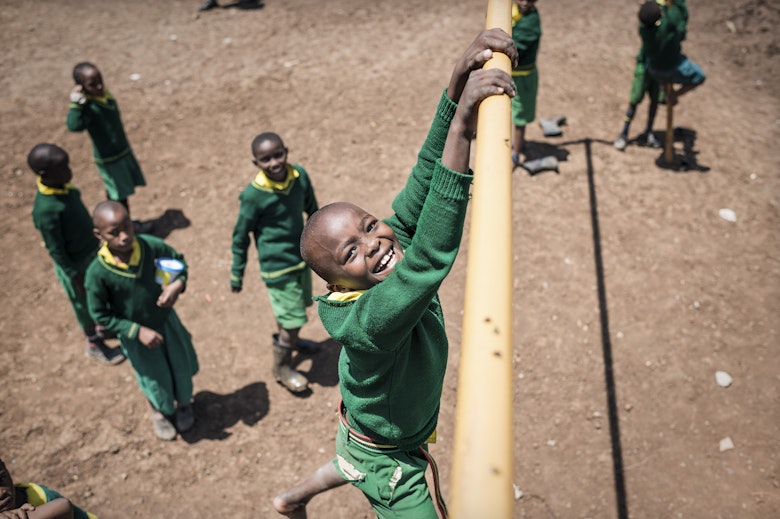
[[48, 190], [262, 181], [108, 256], [345, 296]]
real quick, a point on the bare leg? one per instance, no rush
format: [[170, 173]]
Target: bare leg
[[292, 503], [288, 337]]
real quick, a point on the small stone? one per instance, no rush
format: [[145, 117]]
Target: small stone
[[723, 379], [518, 492], [173, 37], [726, 444], [728, 215], [135, 77], [124, 475], [730, 26], [551, 443]]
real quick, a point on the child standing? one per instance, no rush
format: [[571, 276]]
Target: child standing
[[23, 498], [66, 229], [383, 307], [526, 34], [125, 297], [643, 83], [94, 109], [662, 29], [271, 209]]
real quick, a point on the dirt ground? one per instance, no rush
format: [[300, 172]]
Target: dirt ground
[[630, 290]]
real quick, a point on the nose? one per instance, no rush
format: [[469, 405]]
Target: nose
[[372, 245]]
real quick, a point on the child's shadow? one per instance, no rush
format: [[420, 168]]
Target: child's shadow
[[216, 413], [537, 150], [322, 365], [687, 161], [166, 223]]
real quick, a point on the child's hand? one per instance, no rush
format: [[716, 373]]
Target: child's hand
[[77, 95], [149, 338], [170, 294], [18, 513], [478, 53], [481, 84]]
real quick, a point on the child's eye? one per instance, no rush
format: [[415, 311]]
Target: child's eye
[[350, 253], [371, 226]]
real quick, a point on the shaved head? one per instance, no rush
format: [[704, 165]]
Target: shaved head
[[45, 156], [108, 211]]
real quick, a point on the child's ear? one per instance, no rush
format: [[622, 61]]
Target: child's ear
[[96, 232], [256, 163]]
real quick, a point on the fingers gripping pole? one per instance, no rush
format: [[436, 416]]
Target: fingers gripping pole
[[482, 465]]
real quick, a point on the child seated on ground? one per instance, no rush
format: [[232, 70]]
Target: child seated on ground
[[35, 501], [66, 229], [128, 297], [383, 307]]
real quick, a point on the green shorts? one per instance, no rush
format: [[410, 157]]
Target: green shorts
[[290, 296], [393, 481], [524, 103], [643, 82]]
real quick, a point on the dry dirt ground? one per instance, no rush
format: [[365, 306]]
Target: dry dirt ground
[[630, 291]]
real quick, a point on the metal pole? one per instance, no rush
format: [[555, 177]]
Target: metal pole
[[483, 461]]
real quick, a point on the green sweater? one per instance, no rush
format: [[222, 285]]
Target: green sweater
[[394, 354], [122, 300], [66, 228], [104, 125], [526, 33], [275, 219], [662, 44]]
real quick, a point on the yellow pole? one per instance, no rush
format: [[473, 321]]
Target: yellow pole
[[482, 464]]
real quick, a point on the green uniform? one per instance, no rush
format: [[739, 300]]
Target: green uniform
[[662, 44], [273, 214], [394, 356], [113, 156], [66, 228], [124, 299], [526, 33], [38, 495]]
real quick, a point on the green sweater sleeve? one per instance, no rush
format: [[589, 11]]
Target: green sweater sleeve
[[53, 237], [246, 222], [77, 118]]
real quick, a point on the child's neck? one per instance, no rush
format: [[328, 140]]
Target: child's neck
[[53, 186], [122, 257]]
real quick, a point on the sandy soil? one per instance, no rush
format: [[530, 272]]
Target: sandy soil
[[630, 290]]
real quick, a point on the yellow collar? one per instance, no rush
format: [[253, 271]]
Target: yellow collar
[[104, 99], [48, 190], [262, 181], [516, 14], [345, 296], [108, 256]]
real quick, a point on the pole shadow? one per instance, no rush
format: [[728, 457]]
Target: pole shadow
[[216, 413], [606, 343], [685, 162]]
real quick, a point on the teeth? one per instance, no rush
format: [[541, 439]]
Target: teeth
[[385, 260]]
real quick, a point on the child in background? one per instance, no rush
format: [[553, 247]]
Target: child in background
[[125, 298], [271, 209], [662, 29], [94, 109], [66, 229], [383, 307], [35, 501], [526, 34]]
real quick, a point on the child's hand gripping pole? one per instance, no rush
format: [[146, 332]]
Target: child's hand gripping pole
[[482, 465]]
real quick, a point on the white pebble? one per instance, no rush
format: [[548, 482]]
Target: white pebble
[[723, 379], [726, 444], [518, 492], [728, 215], [135, 77]]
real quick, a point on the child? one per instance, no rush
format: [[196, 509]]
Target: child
[[66, 228], [662, 29], [35, 501], [643, 83], [526, 33], [93, 108], [271, 209], [124, 296], [383, 307]]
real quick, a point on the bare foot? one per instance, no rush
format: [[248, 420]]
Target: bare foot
[[290, 508]]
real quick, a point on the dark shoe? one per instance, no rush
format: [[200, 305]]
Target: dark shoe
[[302, 345], [103, 333], [163, 428], [185, 417], [208, 4], [97, 349], [249, 4], [284, 373]]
